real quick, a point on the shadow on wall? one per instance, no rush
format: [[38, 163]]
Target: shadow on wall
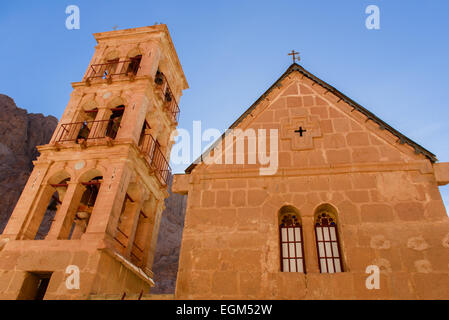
[[168, 247]]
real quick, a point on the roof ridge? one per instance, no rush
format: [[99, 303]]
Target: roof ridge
[[371, 116]]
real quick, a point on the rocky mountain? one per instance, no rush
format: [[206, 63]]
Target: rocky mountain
[[20, 133]]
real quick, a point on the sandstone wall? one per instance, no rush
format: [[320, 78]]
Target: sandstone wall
[[389, 209]]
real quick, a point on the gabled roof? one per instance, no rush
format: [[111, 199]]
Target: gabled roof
[[370, 116]]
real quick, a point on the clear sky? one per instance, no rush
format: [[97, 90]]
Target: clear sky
[[232, 51]]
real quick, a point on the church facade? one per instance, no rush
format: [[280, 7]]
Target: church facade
[[353, 210]]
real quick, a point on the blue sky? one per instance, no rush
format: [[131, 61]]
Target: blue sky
[[232, 51]]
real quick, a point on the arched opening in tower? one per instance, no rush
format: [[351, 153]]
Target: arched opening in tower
[[52, 209], [87, 204], [114, 121], [134, 65]]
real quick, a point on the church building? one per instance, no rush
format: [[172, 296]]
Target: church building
[[353, 210], [340, 206]]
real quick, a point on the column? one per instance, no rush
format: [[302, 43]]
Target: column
[[310, 248], [152, 236], [105, 215], [65, 216], [131, 226], [133, 119], [99, 127], [37, 213], [24, 206]]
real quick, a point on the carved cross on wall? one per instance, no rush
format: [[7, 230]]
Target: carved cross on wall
[[305, 139], [301, 131]]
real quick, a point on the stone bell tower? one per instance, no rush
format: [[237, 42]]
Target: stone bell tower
[[92, 205]]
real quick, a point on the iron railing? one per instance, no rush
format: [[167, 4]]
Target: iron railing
[[170, 102], [87, 130], [156, 158], [114, 68], [100, 129]]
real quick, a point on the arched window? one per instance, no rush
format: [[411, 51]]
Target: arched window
[[55, 202], [114, 121], [292, 250], [134, 65], [85, 208], [328, 246]]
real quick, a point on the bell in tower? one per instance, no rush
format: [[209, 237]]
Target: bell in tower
[[94, 200]]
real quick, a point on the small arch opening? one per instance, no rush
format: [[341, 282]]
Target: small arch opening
[[56, 199], [327, 239], [85, 208], [114, 121], [134, 65]]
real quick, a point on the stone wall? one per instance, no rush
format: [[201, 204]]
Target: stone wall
[[389, 209]]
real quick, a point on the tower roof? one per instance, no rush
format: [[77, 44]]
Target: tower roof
[[370, 116], [159, 31]]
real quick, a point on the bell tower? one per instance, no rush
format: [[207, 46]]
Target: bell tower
[[91, 208]]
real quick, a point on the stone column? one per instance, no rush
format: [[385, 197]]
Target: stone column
[[64, 218], [37, 213], [310, 249], [152, 236], [105, 215], [132, 226], [24, 206], [133, 119], [99, 128], [150, 61]]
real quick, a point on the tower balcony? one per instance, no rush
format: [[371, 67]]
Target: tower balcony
[[170, 104], [114, 68], [82, 132], [155, 157]]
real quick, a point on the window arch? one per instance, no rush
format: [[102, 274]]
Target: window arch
[[133, 61], [86, 205], [114, 122], [291, 238], [58, 191], [134, 64], [328, 244]]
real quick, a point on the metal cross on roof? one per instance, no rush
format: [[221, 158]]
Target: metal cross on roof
[[294, 53]]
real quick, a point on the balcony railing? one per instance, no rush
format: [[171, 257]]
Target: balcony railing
[[87, 130], [170, 102], [156, 158], [91, 130], [114, 68]]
